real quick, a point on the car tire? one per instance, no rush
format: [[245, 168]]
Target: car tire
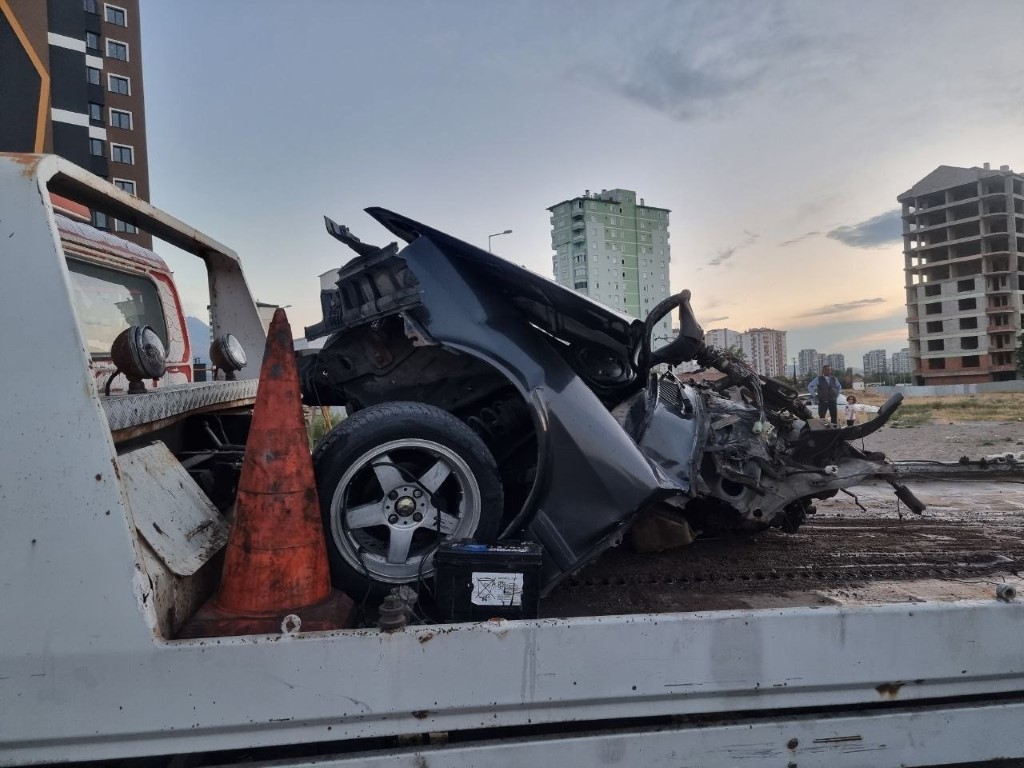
[[394, 481]]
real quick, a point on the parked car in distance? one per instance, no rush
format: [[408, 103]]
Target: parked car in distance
[[812, 402]]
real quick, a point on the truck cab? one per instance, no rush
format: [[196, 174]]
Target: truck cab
[[116, 284]]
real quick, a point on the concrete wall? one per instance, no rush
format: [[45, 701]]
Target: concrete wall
[[954, 389]]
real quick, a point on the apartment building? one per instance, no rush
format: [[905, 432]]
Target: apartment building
[[765, 350], [613, 247], [837, 360], [723, 338], [72, 72], [899, 363], [875, 363], [808, 362], [963, 235]]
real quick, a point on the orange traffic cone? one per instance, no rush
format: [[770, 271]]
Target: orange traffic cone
[[275, 563]]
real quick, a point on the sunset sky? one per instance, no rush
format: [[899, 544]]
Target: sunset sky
[[779, 134]]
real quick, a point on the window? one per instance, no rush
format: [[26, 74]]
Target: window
[[969, 342], [92, 75], [932, 290], [107, 301], [971, 361], [965, 285], [936, 345], [115, 15], [123, 226], [95, 112], [126, 185], [119, 118], [91, 6], [92, 42], [119, 153], [116, 50], [119, 84], [96, 148], [933, 309], [936, 363], [934, 326], [968, 323], [99, 220]]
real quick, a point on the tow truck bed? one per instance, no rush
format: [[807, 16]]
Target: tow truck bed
[[88, 672]]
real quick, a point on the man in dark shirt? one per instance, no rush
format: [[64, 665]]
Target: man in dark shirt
[[826, 388]]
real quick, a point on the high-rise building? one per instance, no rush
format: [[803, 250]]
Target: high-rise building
[[72, 72], [765, 350], [613, 248], [963, 251], [723, 338], [837, 360], [807, 362], [875, 363], [899, 363]]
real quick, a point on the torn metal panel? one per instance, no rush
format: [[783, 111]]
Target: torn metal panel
[[170, 511]]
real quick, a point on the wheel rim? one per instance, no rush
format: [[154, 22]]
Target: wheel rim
[[388, 506]]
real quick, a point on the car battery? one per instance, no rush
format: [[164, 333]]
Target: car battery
[[476, 582]]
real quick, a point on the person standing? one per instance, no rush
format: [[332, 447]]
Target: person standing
[[826, 389], [850, 411]]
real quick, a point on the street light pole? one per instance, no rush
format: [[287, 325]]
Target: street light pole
[[496, 234]]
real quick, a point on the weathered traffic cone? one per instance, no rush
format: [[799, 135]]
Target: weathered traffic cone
[[275, 563]]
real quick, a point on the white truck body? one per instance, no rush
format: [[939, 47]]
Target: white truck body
[[88, 670]]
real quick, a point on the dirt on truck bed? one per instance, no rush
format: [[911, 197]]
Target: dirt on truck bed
[[867, 549]]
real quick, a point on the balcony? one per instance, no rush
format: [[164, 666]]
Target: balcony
[[579, 225], [579, 239]]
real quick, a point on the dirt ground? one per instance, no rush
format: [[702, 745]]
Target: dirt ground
[[864, 548], [948, 442]]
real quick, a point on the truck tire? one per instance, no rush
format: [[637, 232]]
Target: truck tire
[[394, 481]]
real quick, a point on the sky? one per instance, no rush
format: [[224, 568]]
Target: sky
[[778, 133]]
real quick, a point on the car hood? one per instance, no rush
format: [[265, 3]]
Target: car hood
[[554, 308]]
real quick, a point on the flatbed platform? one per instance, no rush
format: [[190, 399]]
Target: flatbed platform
[[970, 539]]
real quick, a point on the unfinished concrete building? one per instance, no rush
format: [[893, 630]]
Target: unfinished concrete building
[[963, 231]]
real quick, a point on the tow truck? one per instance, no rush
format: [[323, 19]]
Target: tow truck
[[113, 500]]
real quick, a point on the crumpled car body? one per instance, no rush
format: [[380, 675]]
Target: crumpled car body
[[586, 435]]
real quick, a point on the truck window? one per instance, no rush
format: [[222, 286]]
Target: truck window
[[107, 301]]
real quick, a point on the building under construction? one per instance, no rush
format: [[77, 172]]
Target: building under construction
[[963, 230]]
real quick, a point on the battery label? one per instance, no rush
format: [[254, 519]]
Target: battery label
[[497, 589]]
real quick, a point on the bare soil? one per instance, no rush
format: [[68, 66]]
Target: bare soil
[[861, 548], [948, 442]]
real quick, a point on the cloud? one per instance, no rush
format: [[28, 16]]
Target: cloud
[[709, 320], [897, 334], [714, 57], [848, 306], [722, 255], [884, 229], [795, 240]]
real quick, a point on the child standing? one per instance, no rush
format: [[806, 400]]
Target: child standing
[[850, 411]]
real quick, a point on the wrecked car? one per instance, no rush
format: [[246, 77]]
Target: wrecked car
[[486, 401]]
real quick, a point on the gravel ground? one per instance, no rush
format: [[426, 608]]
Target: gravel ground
[[948, 442]]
